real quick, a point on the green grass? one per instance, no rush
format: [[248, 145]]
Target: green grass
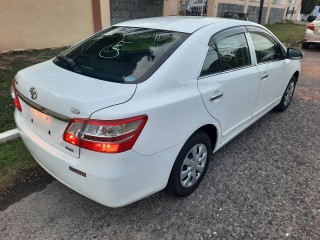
[[10, 64], [288, 33], [15, 164]]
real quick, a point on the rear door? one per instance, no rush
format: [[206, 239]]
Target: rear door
[[228, 81]]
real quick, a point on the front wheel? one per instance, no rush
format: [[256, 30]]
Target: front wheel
[[190, 165], [287, 95]]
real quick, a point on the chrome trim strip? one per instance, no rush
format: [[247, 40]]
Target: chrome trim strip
[[43, 109], [223, 72]]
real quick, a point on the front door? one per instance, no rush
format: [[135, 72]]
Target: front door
[[271, 65]]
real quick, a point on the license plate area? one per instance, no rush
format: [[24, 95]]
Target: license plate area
[[49, 128], [41, 121]]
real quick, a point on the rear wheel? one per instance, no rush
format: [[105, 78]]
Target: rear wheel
[[287, 95], [190, 165], [305, 45]]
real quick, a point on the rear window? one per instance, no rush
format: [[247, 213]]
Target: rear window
[[121, 54]]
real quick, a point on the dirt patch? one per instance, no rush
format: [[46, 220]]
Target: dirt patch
[[306, 93], [34, 181], [308, 87]]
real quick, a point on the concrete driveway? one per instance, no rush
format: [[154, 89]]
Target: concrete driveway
[[263, 184]]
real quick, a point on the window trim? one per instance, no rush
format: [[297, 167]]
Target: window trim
[[227, 71], [226, 33], [217, 37], [269, 36]]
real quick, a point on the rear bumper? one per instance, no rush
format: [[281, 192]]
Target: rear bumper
[[113, 180], [311, 37]]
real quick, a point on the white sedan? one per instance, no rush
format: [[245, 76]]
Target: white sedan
[[312, 34], [141, 106]]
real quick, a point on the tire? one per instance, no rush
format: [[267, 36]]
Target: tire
[[305, 45], [190, 165], [287, 95]]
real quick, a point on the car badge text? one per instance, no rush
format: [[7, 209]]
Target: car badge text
[[33, 93]]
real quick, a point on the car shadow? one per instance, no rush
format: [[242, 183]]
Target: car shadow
[[313, 47]]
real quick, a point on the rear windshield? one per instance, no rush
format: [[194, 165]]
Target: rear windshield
[[121, 54]]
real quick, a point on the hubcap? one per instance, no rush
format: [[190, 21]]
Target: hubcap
[[289, 94], [193, 165]]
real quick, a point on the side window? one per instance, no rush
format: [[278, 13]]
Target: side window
[[231, 52], [211, 63], [266, 49], [234, 52]]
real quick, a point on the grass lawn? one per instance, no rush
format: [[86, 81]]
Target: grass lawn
[[10, 64], [15, 160], [288, 33], [15, 164]]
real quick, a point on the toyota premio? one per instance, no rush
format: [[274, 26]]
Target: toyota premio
[[141, 106]]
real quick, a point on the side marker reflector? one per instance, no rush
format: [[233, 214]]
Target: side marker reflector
[[83, 174]]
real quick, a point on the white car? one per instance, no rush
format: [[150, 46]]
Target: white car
[[312, 34], [141, 106]]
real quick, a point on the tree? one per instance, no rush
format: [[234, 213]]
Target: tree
[[308, 5]]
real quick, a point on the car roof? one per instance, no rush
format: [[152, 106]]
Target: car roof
[[186, 24]]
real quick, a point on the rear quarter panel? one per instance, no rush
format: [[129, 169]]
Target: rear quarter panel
[[170, 98]]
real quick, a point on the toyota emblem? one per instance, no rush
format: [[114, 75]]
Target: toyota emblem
[[33, 93]]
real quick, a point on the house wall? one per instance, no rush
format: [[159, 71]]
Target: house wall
[[227, 7], [171, 7], [35, 24], [123, 10], [273, 10], [253, 13], [276, 15]]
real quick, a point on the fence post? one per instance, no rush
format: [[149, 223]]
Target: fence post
[[260, 11]]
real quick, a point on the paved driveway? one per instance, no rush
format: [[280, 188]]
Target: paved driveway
[[263, 184]]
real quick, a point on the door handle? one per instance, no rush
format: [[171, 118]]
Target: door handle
[[216, 96], [264, 76]]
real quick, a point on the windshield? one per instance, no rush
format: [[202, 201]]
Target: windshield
[[121, 54]]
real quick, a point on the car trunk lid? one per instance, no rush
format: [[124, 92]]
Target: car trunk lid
[[51, 96]]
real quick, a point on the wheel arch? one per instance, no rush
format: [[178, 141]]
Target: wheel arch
[[296, 74], [212, 133]]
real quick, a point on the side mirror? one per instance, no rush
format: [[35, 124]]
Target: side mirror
[[294, 54]]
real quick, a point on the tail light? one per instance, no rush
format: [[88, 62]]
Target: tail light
[[14, 95], [108, 136], [310, 26]]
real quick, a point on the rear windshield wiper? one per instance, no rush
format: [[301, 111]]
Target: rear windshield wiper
[[67, 60]]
